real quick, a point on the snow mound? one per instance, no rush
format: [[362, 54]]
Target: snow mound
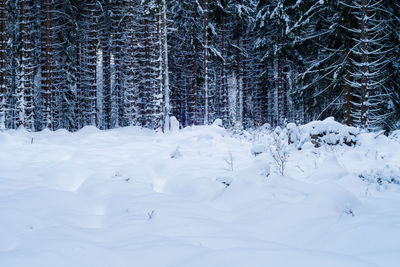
[[197, 197], [329, 169], [326, 132], [332, 199]]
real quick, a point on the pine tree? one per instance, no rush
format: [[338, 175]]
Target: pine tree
[[165, 65], [88, 64], [273, 21], [117, 9], [348, 56], [47, 66], [24, 93], [320, 29], [65, 69], [371, 56], [393, 10], [240, 19], [130, 109]]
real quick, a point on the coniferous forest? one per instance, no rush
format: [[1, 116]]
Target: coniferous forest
[[66, 64]]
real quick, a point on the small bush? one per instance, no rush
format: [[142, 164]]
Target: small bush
[[387, 175], [279, 150]]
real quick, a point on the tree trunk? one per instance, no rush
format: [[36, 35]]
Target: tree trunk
[[159, 94], [92, 64], [79, 96], [244, 87], [118, 60], [348, 91], [47, 68], [148, 89], [167, 107], [205, 63], [364, 66], [131, 81], [3, 45], [224, 83], [25, 105], [238, 83]]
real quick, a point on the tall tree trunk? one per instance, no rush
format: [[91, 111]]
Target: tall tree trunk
[[131, 98], [224, 81], [47, 68], [92, 64], [148, 90], [167, 107], [106, 83], [25, 105], [194, 106], [205, 63], [267, 99], [348, 91], [79, 95], [106, 63], [364, 66], [3, 45], [159, 94], [281, 92], [244, 86], [238, 82], [118, 60]]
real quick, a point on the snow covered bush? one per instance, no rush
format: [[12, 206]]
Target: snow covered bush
[[319, 133], [260, 134], [387, 175], [279, 149]]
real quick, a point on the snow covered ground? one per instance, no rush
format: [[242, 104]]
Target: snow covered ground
[[132, 197]]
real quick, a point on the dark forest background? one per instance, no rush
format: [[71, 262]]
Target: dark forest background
[[114, 63]]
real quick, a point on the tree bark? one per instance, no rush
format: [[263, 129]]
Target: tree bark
[[348, 91], [205, 63], [3, 45], [364, 66], [47, 68]]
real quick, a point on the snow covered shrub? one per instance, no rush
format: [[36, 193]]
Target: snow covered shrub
[[326, 132], [260, 134], [387, 175], [279, 149], [259, 137], [293, 133]]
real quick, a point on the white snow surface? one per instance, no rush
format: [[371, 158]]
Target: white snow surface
[[119, 198]]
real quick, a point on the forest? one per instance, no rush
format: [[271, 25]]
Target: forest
[[66, 64]]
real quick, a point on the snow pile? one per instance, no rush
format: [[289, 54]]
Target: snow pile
[[199, 197], [323, 132], [329, 168], [316, 133]]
